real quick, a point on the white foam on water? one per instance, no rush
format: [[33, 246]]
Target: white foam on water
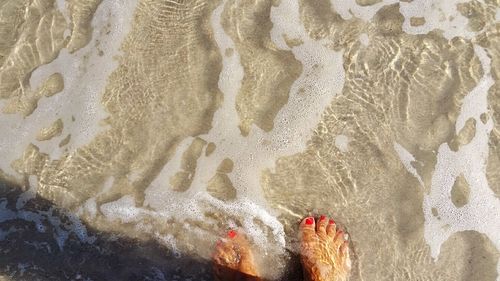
[[310, 94], [181, 208], [348, 8], [61, 6], [476, 102], [124, 210], [406, 158], [482, 211], [43, 218], [229, 143], [364, 39], [224, 133], [321, 80], [439, 14], [170, 241], [442, 15], [17, 134], [90, 207], [342, 143], [85, 75], [28, 194]]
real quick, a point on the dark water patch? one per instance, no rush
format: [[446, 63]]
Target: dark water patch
[[31, 254], [32, 249]]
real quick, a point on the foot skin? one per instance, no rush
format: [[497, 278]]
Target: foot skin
[[233, 259], [324, 250]]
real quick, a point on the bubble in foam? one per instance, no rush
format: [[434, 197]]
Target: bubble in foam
[[265, 231], [90, 207], [170, 242], [123, 210], [342, 143], [364, 39], [407, 158]]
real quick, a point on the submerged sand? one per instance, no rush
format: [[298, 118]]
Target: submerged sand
[[155, 126]]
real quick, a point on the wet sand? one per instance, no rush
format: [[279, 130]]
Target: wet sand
[[161, 124]]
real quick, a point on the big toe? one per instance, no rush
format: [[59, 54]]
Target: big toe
[[307, 230], [308, 238], [233, 258]]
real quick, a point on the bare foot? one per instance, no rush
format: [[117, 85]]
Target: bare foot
[[233, 259], [324, 250]]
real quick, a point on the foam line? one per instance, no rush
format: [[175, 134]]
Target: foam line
[[482, 211], [85, 76], [406, 158], [348, 8], [226, 136], [321, 80], [42, 218], [442, 15]]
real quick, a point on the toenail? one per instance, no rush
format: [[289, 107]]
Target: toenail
[[309, 221], [322, 217], [331, 221], [231, 233]]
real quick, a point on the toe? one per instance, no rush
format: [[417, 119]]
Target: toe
[[321, 225], [338, 240], [241, 253], [308, 238], [331, 228], [241, 242], [227, 250], [344, 248], [307, 229], [344, 256], [339, 235]]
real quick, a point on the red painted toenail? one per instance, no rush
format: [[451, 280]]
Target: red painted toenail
[[309, 221], [331, 221], [322, 217], [231, 233]]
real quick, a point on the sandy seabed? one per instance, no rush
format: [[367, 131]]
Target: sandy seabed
[[134, 133]]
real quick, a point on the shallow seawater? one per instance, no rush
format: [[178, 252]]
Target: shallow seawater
[[133, 134]]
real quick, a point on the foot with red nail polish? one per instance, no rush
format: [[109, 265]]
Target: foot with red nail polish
[[324, 250], [233, 259]]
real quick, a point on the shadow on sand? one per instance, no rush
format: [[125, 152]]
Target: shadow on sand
[[30, 250]]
